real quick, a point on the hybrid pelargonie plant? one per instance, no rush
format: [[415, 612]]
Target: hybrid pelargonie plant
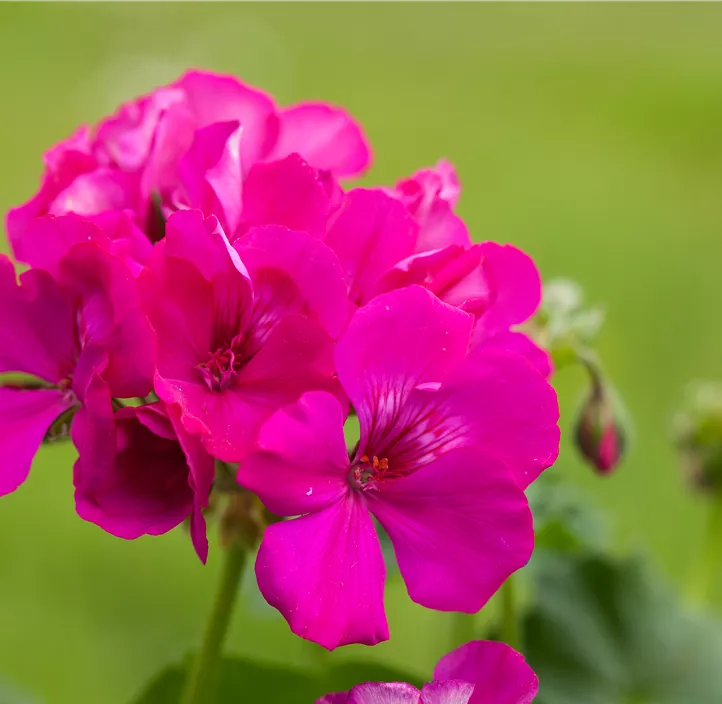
[[205, 306]]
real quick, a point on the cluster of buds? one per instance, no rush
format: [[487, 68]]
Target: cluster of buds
[[697, 435]]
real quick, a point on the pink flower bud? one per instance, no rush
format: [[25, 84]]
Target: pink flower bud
[[600, 435]]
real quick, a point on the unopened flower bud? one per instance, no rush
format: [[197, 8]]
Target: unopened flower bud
[[600, 433], [697, 435]]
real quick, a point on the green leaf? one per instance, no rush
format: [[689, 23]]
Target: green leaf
[[237, 680], [244, 680], [606, 631]]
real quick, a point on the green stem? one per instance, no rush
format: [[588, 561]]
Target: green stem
[[704, 572], [201, 677], [510, 631]]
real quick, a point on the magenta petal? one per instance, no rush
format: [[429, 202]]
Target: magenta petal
[[172, 136], [294, 273], [128, 480], [287, 192], [227, 420], [460, 526], [202, 241], [178, 302], [499, 673], [200, 463], [494, 400], [454, 274], [128, 241], [197, 295], [509, 409], [217, 98], [449, 692], [211, 175], [155, 417], [296, 357], [443, 229], [109, 316], [514, 286], [130, 136], [25, 417], [96, 191], [37, 325], [516, 342], [202, 473], [418, 268], [370, 234], [430, 196], [399, 341], [384, 693], [325, 573], [199, 534], [48, 239], [326, 136], [301, 464]]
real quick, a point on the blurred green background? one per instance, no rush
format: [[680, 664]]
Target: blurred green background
[[590, 135]]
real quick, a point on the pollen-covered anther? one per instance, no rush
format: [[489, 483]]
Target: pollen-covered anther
[[370, 473]]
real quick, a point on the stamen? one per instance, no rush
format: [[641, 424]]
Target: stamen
[[370, 474], [223, 365]]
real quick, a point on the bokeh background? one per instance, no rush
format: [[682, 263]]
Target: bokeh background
[[590, 135]]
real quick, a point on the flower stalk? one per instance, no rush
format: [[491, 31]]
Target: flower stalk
[[201, 678]]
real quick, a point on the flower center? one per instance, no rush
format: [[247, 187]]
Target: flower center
[[223, 365], [66, 386], [370, 474]]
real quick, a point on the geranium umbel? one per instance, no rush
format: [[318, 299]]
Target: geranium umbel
[[449, 440], [198, 253], [480, 672]]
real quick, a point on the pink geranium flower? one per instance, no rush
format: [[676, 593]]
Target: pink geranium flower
[[499, 284], [430, 196], [241, 329], [410, 235], [138, 472], [448, 441], [480, 672], [187, 145], [74, 328]]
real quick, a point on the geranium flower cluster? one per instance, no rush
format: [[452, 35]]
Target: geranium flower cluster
[[204, 286]]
